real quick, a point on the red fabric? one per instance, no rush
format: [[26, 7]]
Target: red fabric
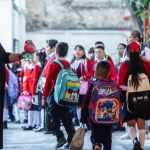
[[52, 76], [134, 47], [34, 78], [46, 70], [124, 69], [7, 77], [112, 72]]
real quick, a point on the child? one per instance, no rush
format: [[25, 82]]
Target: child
[[134, 66], [100, 56], [91, 52], [101, 134], [59, 112], [83, 68]]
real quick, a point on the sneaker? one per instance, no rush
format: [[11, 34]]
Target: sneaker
[[26, 128], [67, 146], [17, 122], [97, 148], [137, 145], [60, 142], [125, 137], [38, 129]]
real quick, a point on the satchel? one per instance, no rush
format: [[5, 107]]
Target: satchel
[[78, 140]]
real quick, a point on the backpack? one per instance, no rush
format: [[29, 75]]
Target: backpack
[[104, 105], [67, 87], [138, 100], [13, 88]]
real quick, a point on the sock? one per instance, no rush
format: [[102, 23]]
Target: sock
[[5, 114], [25, 116], [30, 117], [16, 111], [34, 118], [38, 117], [142, 138], [42, 118], [132, 132]]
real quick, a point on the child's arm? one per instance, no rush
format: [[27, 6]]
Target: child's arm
[[84, 109]]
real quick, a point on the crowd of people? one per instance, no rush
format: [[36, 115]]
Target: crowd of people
[[134, 59]]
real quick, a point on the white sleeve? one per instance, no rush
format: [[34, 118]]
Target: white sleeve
[[147, 52]]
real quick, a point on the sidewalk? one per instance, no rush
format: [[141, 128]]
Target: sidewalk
[[17, 139]]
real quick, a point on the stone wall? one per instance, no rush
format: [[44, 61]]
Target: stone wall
[[77, 15]]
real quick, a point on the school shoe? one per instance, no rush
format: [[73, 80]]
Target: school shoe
[[38, 129], [17, 122], [61, 141], [67, 146], [26, 128], [25, 121], [137, 144], [5, 125]]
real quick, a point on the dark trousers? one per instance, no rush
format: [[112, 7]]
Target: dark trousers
[[63, 114], [101, 135]]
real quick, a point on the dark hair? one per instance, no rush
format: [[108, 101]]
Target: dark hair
[[135, 67], [62, 49], [52, 43], [91, 50], [15, 66], [124, 45], [81, 47], [136, 33], [99, 42], [42, 55], [103, 68], [100, 47]]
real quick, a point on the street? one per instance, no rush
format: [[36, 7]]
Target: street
[[17, 139]]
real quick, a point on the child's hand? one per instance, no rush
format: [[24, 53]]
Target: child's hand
[[123, 87], [81, 79], [43, 102], [24, 92]]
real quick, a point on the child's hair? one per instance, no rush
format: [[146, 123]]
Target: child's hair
[[99, 42], [103, 68], [52, 43], [62, 49], [100, 47], [91, 50], [42, 55], [81, 47], [136, 34], [124, 45]]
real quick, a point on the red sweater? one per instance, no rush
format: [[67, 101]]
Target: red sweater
[[34, 78], [124, 69], [112, 72], [52, 77]]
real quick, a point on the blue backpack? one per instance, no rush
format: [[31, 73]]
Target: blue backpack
[[13, 88], [104, 104], [67, 87]]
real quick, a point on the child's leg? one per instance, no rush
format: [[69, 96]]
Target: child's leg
[[42, 118], [16, 110], [25, 114], [5, 114], [141, 127], [38, 117], [30, 117]]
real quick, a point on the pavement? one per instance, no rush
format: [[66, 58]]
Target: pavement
[[17, 139]]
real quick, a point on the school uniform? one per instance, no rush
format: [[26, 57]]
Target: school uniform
[[112, 72], [58, 112], [100, 134], [82, 68], [122, 80]]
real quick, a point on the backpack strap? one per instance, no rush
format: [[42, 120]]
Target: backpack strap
[[59, 63]]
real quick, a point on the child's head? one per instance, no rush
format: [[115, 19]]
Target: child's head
[[134, 36], [99, 43], [99, 52], [102, 70], [40, 56], [61, 49], [50, 47], [91, 52], [79, 52], [121, 47]]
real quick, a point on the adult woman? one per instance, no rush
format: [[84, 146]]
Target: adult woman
[[4, 58], [134, 66]]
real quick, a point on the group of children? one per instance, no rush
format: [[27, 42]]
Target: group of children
[[91, 71]]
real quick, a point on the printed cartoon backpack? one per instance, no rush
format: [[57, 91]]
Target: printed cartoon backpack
[[104, 104], [138, 100], [67, 87], [13, 88]]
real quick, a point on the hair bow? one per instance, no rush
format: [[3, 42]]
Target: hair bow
[[134, 47]]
